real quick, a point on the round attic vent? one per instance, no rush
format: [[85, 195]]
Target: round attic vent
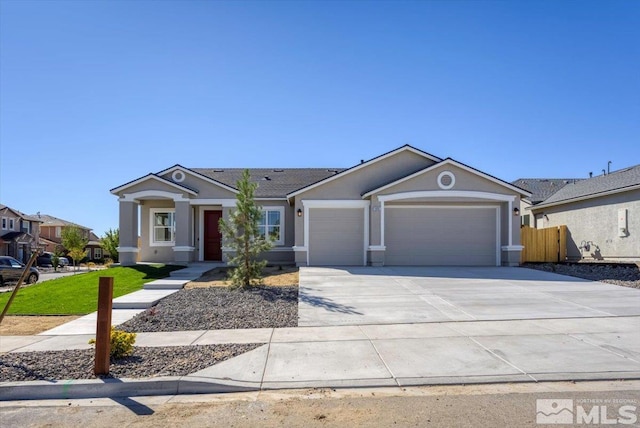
[[178, 176], [446, 180]]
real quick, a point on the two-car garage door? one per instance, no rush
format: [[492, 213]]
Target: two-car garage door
[[464, 235], [432, 236]]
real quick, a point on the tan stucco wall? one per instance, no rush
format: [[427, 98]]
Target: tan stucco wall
[[596, 220], [148, 253], [354, 184], [464, 181]]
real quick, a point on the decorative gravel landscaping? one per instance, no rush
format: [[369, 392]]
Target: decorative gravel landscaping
[[145, 362], [219, 308], [627, 275]]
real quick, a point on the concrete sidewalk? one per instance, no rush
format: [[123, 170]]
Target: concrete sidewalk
[[370, 355]]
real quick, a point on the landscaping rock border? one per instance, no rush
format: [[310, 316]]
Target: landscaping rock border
[[217, 308], [145, 362], [624, 274]]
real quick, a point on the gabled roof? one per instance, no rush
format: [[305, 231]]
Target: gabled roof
[[615, 182], [542, 188], [344, 172], [20, 214], [272, 182], [448, 161], [49, 220], [155, 177], [196, 173]]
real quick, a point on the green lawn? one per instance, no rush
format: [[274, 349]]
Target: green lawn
[[78, 294]]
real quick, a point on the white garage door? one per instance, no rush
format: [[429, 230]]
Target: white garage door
[[336, 237], [430, 236]]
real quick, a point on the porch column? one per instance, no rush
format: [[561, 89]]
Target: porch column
[[183, 249], [128, 249]]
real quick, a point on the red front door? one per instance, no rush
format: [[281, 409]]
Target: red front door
[[212, 236]]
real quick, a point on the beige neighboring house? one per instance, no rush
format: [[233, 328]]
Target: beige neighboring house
[[51, 236], [540, 189], [19, 233], [602, 215], [405, 207]]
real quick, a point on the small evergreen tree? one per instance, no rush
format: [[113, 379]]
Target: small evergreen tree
[[241, 232], [110, 243], [74, 241]]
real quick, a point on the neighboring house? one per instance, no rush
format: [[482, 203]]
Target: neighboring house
[[602, 215], [405, 207], [94, 249], [51, 235], [540, 189], [20, 233]]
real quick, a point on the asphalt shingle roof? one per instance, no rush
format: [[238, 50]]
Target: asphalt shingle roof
[[272, 182], [593, 186], [49, 220], [542, 188]]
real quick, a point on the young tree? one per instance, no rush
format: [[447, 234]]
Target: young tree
[[242, 233], [74, 241], [110, 243]]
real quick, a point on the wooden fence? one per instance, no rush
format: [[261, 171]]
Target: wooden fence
[[544, 245]]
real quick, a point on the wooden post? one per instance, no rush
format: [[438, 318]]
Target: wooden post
[[103, 326]]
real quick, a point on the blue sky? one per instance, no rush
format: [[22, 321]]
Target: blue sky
[[96, 93]]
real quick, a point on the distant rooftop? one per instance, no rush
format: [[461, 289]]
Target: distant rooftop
[[614, 181], [542, 188], [49, 220]]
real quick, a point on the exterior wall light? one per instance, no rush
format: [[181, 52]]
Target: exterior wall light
[[516, 211], [299, 212]]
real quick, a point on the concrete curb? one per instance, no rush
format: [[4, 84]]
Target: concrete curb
[[112, 387]]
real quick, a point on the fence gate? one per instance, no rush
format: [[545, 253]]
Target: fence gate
[[544, 245]]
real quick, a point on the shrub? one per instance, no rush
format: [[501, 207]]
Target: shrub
[[121, 343]]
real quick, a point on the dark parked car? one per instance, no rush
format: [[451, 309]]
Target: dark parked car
[[45, 260], [11, 269]]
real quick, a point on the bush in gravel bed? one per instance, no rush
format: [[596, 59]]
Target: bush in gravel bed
[[220, 308], [145, 362]]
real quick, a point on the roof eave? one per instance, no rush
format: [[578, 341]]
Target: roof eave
[[586, 197]]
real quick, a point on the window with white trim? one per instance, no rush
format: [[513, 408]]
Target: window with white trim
[[88, 253], [163, 227], [11, 223], [58, 231], [272, 224], [97, 253], [4, 223]]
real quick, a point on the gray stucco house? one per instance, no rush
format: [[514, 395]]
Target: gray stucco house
[[405, 207], [602, 215]]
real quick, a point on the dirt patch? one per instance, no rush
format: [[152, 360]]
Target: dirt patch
[[274, 276], [13, 325]]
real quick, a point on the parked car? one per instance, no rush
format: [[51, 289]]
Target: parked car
[[63, 261], [11, 269], [45, 260]]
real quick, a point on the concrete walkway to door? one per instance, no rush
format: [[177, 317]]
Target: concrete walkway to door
[[396, 295]]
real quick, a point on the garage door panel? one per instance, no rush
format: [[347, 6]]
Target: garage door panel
[[336, 237], [440, 236]]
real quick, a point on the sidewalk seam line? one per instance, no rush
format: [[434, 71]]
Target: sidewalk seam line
[[393, 376], [266, 360], [500, 358], [588, 342]]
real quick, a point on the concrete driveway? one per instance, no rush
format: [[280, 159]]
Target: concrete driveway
[[396, 295]]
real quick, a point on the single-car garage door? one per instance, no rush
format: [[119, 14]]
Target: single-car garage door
[[441, 236], [336, 237]]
